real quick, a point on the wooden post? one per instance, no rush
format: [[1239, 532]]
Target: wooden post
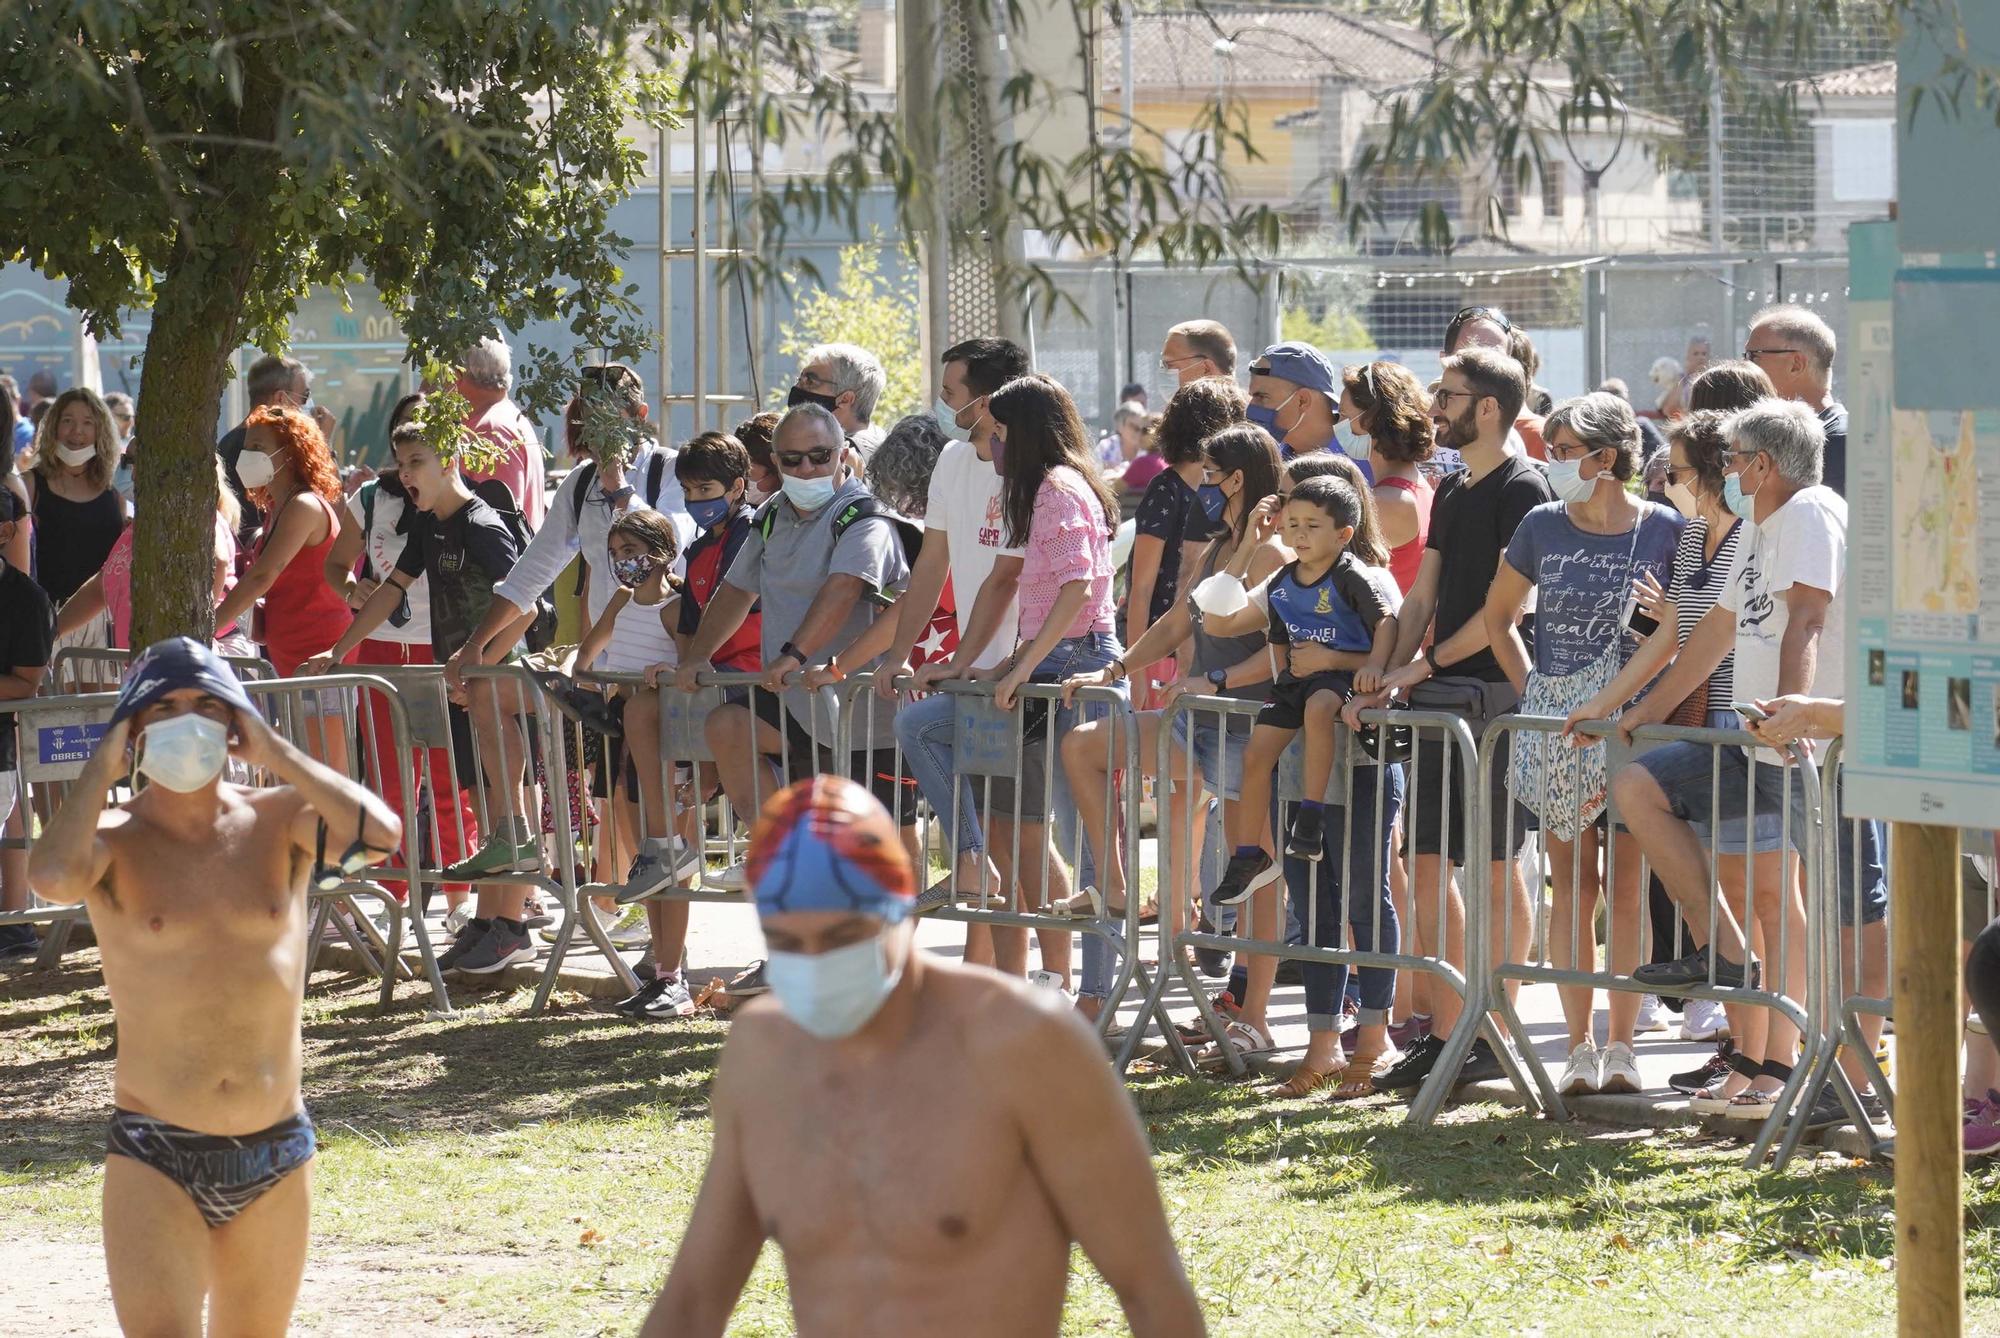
[[1930, 1013]]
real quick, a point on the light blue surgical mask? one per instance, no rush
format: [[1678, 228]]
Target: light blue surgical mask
[[1567, 481], [1743, 505], [810, 494], [183, 752], [1353, 444], [1212, 500], [947, 418], [833, 994]]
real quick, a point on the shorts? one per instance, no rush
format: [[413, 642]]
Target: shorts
[[1286, 708], [1027, 798], [880, 769], [1688, 774], [1432, 794], [1217, 748], [614, 759], [1763, 836]]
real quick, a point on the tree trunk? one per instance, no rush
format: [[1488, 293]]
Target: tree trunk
[[196, 310]]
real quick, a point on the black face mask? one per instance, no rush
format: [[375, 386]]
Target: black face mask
[[800, 395]]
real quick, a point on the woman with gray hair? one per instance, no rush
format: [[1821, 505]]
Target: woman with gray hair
[[1581, 554], [899, 472]]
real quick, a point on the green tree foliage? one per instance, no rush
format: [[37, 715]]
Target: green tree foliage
[[1331, 329], [212, 161], [862, 307]]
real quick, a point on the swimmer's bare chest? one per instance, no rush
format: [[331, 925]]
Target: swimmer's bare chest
[[203, 940], [902, 1192]]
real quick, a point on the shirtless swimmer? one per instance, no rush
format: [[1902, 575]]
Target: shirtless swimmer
[[197, 894], [923, 1140]]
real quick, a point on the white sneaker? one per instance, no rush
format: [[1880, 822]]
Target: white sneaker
[[458, 917], [1618, 1069], [1050, 980], [732, 879], [1652, 1017], [629, 932], [1704, 1020], [1580, 1074]]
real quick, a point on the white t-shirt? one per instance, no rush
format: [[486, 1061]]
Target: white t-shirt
[[1804, 542], [965, 505], [382, 546]]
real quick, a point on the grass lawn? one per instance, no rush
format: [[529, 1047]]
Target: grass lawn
[[502, 1174]]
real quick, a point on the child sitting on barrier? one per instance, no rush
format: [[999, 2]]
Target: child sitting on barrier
[[1337, 596]]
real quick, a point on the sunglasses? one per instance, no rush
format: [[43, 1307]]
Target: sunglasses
[[1465, 314], [816, 457]]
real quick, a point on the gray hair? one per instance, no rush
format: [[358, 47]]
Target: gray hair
[[1602, 422], [1129, 411], [851, 367], [899, 472], [273, 374], [1786, 430], [817, 415], [1802, 329], [489, 363]]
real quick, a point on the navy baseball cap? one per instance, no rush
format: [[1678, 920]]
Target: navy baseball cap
[[1302, 365], [178, 662]]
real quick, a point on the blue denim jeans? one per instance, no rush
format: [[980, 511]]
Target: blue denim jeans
[[1081, 655], [924, 728], [1356, 844]]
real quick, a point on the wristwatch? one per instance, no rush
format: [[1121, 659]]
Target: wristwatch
[[1218, 679], [1431, 659], [791, 650], [1118, 663]]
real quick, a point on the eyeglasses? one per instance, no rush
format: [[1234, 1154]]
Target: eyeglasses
[[812, 380], [1565, 454], [1173, 364], [1753, 354], [1676, 473], [1444, 397], [817, 457]]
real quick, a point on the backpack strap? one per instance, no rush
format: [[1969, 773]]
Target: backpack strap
[[367, 491], [656, 473], [585, 474]]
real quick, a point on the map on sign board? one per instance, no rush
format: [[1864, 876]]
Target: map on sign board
[[1923, 678]]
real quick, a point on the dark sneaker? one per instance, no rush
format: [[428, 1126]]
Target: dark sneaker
[[656, 868], [1291, 971], [1308, 838], [1714, 1067], [1826, 1112], [646, 970], [1402, 1034], [1481, 1064], [747, 982], [18, 941], [462, 942], [635, 1005], [1874, 1108], [1243, 876], [1690, 970], [1211, 962], [1419, 1058], [672, 1001], [502, 947]]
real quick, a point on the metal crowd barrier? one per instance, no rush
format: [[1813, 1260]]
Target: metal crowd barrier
[[992, 748], [55, 738], [1846, 1003], [1350, 770], [1798, 1002]]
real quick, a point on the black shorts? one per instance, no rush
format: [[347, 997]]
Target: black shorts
[[1434, 794], [893, 786], [613, 758], [1286, 706]]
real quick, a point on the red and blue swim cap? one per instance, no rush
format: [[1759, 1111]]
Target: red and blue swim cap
[[826, 844]]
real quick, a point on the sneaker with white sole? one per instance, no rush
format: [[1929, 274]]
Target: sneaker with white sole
[[658, 866], [463, 940], [498, 856], [748, 982], [1704, 1020], [1049, 980], [631, 931], [732, 879], [503, 946], [1652, 1016], [671, 1000], [1618, 1069], [458, 916], [1580, 1073]]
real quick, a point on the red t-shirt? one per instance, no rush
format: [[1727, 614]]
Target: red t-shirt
[[708, 557]]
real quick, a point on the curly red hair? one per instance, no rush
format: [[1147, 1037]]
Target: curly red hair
[[305, 448]]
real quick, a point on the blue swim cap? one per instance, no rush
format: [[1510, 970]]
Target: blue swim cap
[[826, 844], [178, 662]]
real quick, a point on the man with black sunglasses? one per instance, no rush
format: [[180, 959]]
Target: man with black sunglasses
[[1796, 348], [825, 560]]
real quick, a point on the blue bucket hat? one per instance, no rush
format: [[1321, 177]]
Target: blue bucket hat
[[178, 662]]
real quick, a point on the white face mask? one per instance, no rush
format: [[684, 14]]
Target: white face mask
[[833, 994], [255, 469], [1683, 498], [1567, 480], [76, 455], [1353, 441], [183, 753]]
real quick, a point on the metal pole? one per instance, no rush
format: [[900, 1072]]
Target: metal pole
[[1715, 228], [698, 123], [663, 425]]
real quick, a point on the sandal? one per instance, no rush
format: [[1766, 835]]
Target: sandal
[[1710, 1100], [1759, 1105], [1087, 904], [1303, 1083], [1241, 1037], [1357, 1080]]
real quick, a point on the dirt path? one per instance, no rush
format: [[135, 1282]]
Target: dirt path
[[56, 1289]]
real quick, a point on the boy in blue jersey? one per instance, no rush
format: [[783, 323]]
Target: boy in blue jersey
[[1330, 615]]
